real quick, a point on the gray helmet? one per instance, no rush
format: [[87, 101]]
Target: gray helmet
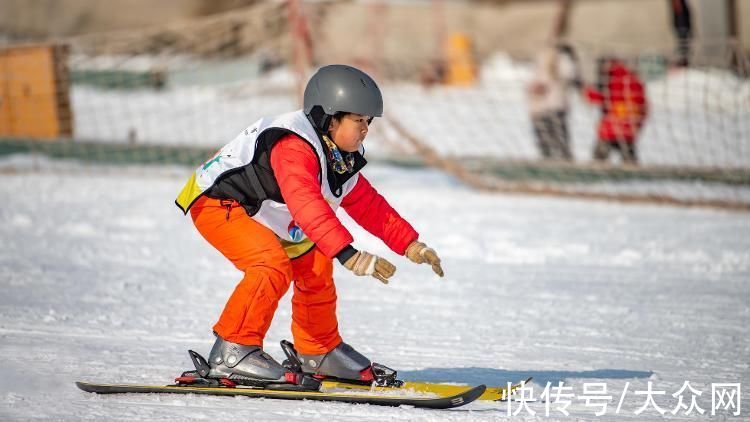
[[340, 88]]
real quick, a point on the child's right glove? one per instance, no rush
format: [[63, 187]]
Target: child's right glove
[[365, 263]]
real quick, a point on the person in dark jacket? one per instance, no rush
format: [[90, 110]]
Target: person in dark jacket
[[683, 28]]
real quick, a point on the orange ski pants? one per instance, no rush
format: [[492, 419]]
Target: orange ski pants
[[255, 250]]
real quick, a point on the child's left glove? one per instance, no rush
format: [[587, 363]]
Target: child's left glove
[[365, 263], [419, 252]]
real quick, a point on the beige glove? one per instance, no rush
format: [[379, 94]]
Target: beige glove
[[419, 252], [364, 263]]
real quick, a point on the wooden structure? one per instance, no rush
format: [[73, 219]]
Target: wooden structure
[[34, 94]]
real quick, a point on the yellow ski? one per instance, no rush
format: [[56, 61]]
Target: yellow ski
[[490, 394], [463, 396]]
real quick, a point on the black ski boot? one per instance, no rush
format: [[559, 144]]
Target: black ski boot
[[340, 364], [230, 364], [248, 365]]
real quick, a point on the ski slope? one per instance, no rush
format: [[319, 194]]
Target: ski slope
[[103, 279]]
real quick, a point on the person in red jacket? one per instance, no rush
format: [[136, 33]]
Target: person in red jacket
[[267, 202], [622, 97]]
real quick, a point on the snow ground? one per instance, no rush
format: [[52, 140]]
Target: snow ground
[[102, 279]]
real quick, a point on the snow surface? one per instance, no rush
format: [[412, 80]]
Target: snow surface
[[103, 279]]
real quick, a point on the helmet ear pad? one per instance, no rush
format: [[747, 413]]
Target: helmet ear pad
[[320, 119]]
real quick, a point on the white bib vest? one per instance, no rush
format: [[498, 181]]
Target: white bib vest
[[240, 152]]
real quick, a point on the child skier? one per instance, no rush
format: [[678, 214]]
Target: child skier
[[267, 202]]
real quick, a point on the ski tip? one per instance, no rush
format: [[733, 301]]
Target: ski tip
[[473, 394], [463, 398], [84, 386]]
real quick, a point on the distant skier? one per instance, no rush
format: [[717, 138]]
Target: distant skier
[[267, 202], [622, 96], [556, 70]]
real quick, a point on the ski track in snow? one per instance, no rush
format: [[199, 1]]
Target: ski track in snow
[[104, 280]]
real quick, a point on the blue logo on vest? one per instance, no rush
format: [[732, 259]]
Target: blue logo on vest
[[295, 233]]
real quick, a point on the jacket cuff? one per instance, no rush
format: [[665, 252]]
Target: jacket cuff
[[401, 247], [346, 253]]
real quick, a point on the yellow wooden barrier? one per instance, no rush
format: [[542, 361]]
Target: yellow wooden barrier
[[34, 94]]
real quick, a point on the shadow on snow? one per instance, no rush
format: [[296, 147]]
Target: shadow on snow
[[498, 377]]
